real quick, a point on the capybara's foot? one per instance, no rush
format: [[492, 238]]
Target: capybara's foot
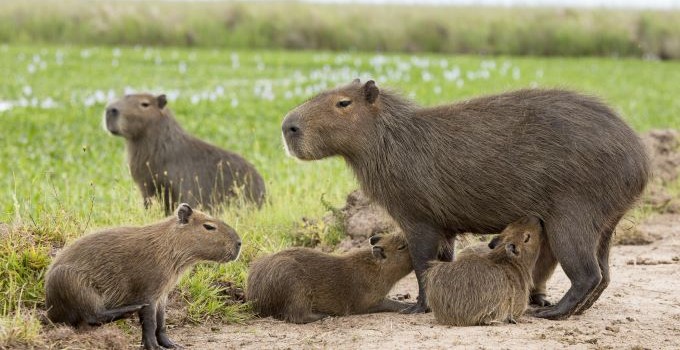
[[539, 300], [417, 308], [551, 313], [165, 342]]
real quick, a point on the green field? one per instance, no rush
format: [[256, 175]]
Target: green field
[[63, 175]]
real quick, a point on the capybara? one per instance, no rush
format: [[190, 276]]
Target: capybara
[[479, 248], [111, 274], [478, 289], [302, 285], [476, 165], [171, 165]]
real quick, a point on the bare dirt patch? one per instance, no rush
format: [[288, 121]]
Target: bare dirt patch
[[640, 309]]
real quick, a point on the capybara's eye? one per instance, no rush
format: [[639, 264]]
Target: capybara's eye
[[145, 104], [526, 239], [402, 247], [208, 227], [344, 103]]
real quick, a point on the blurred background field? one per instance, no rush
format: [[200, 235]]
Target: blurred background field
[[345, 26], [231, 75]]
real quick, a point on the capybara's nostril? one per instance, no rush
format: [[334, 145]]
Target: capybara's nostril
[[112, 111], [291, 125]]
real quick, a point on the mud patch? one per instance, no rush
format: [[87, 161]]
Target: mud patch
[[104, 337]]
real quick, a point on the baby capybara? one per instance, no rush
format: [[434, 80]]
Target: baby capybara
[[478, 289], [302, 285], [476, 165], [112, 274], [168, 163]]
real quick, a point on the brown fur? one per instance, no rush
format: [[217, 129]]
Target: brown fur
[[174, 166], [494, 286], [114, 273], [476, 165], [303, 285]]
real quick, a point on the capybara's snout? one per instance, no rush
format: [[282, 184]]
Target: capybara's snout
[[291, 125], [111, 119]]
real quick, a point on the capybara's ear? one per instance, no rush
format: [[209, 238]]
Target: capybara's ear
[[511, 249], [374, 239], [183, 213], [356, 81], [494, 242], [162, 101], [371, 91]]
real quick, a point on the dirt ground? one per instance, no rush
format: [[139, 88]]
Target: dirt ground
[[639, 310]]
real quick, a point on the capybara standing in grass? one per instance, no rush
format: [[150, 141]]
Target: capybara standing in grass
[[174, 166], [302, 285], [111, 274], [494, 286], [476, 165]]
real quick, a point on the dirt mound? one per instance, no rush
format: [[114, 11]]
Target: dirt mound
[[664, 149]]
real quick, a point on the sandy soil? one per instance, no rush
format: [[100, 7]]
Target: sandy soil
[[640, 309]]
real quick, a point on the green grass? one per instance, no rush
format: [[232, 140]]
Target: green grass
[[63, 176], [388, 28]]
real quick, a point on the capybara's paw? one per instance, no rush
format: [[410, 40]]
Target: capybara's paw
[[551, 313], [165, 342], [539, 300], [416, 308]]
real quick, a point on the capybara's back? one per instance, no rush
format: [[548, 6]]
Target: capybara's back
[[491, 287], [302, 285]]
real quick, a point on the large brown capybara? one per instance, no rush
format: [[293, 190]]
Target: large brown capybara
[[112, 274], [168, 163], [490, 286], [476, 165], [302, 285]]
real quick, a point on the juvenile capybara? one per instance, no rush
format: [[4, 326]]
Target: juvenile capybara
[[168, 163], [112, 274], [478, 289], [302, 285], [476, 165]]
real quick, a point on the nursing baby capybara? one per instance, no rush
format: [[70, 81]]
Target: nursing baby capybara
[[112, 274], [493, 286], [168, 163], [476, 165], [302, 285]]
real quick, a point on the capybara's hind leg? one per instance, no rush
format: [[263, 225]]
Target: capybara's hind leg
[[111, 315], [545, 266], [573, 241], [389, 305], [446, 249], [70, 298], [603, 261]]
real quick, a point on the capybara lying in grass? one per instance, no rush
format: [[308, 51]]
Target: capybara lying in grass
[[302, 285]]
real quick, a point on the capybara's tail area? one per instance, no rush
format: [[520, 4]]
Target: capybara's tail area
[[69, 297], [276, 287], [111, 315]]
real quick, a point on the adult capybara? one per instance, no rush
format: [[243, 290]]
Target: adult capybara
[[302, 285], [174, 166], [111, 274], [476, 165], [489, 287]]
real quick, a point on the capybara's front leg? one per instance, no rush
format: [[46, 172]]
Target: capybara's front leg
[[147, 316], [423, 242], [161, 329]]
